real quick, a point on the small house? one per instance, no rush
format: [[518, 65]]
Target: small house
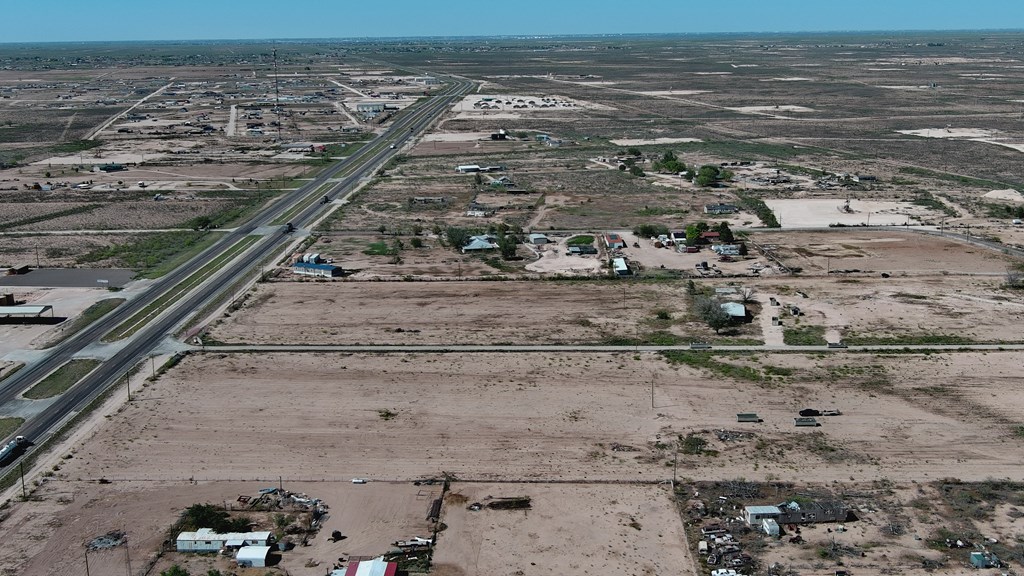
[[206, 540], [480, 243], [770, 526], [316, 270], [720, 209], [621, 267], [467, 168], [537, 239], [754, 515], [614, 241]]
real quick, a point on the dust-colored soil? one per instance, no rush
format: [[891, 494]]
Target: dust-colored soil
[[570, 529], [467, 312], [509, 417]]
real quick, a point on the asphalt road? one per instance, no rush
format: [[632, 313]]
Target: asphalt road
[[360, 165]]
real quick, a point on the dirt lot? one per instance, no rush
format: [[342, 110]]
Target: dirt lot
[[893, 252], [570, 529], [455, 312], [509, 417]]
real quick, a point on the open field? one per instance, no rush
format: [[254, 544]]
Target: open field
[[464, 312], [915, 129], [906, 418], [573, 529]]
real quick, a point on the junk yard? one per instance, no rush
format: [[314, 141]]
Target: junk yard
[[649, 305]]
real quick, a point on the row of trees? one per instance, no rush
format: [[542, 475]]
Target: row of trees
[[707, 175]]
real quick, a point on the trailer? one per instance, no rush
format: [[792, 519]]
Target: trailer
[[414, 542], [12, 450]]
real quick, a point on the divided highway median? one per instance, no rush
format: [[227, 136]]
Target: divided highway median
[[156, 307]]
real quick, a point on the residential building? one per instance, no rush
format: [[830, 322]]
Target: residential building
[[317, 270], [614, 241], [206, 540]]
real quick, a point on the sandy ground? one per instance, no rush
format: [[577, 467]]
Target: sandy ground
[[470, 312], [1009, 195], [950, 132], [820, 213], [553, 259], [894, 252], [506, 417], [778, 108], [456, 137], [515, 416], [66, 302], [651, 141], [570, 529]]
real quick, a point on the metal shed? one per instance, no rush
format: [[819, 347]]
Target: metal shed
[[253, 556]]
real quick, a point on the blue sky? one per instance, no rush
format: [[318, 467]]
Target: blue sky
[[84, 20]]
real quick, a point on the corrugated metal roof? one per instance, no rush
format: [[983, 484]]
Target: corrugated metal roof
[[734, 309], [760, 510], [375, 567], [209, 534], [252, 553]]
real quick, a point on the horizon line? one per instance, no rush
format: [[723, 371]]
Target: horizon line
[[524, 36]]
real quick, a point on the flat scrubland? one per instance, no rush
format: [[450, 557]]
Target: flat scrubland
[[582, 417], [921, 131]]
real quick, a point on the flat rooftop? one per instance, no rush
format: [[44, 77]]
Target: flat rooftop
[[70, 278]]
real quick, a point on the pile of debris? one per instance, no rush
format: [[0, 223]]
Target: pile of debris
[[109, 540], [721, 548]]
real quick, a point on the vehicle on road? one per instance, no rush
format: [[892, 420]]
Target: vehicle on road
[[12, 450]]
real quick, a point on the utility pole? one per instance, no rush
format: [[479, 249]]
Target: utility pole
[[127, 557], [675, 463], [652, 391], [21, 468], [128, 383], [152, 361], [277, 96], [87, 561]]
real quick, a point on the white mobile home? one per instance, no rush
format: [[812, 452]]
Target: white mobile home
[[206, 540]]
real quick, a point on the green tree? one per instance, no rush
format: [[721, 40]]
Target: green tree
[[507, 246], [669, 163], [707, 175], [175, 571], [635, 152], [693, 232], [457, 237], [710, 311], [416, 242], [650, 230], [724, 233], [636, 171]]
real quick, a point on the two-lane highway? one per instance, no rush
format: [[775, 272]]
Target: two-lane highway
[[357, 167]]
